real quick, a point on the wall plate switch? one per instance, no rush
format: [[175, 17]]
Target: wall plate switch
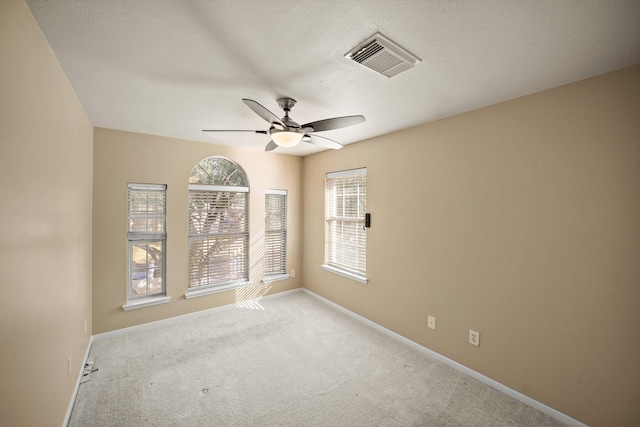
[[293, 273], [474, 338], [431, 322]]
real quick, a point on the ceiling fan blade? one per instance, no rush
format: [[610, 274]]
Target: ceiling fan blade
[[262, 112], [321, 141], [263, 132], [335, 123], [270, 146]]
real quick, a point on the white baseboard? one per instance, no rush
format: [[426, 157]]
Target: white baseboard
[[67, 417], [457, 366]]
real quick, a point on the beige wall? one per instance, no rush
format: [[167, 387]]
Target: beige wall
[[520, 221], [123, 157], [45, 226]]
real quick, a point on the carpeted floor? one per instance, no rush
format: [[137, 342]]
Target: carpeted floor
[[296, 362]]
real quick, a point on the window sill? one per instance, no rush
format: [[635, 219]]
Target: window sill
[[349, 275], [274, 277], [146, 302], [200, 292]]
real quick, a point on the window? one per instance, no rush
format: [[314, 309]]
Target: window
[[345, 237], [275, 233], [147, 207], [218, 227]]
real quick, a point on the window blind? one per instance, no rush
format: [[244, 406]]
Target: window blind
[[275, 233], [147, 210], [345, 207], [218, 235]]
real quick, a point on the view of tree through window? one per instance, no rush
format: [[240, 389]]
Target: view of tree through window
[[218, 171]]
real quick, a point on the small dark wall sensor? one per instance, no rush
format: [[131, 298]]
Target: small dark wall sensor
[[367, 220]]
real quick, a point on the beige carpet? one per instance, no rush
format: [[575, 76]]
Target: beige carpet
[[296, 362]]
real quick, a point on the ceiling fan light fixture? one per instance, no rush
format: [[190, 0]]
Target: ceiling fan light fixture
[[287, 133], [286, 138]]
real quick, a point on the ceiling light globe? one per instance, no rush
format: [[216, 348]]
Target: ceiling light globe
[[286, 138]]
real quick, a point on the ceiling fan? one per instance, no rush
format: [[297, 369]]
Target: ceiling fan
[[285, 132]]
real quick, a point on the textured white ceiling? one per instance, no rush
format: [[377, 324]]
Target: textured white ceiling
[[174, 67]]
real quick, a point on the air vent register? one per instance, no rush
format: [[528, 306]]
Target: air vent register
[[383, 55]]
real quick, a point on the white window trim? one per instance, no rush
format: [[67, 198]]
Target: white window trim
[[158, 298], [358, 277], [146, 302], [344, 273], [274, 277], [200, 292]]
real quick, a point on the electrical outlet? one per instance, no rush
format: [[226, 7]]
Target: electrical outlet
[[293, 273], [69, 366], [431, 322], [474, 338]]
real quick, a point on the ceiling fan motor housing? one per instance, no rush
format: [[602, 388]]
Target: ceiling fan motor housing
[[287, 104]]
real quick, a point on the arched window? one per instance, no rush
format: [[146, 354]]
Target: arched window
[[218, 226], [218, 171]]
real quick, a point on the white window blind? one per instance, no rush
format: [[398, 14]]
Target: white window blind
[[147, 207], [345, 207], [275, 232], [218, 235]]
